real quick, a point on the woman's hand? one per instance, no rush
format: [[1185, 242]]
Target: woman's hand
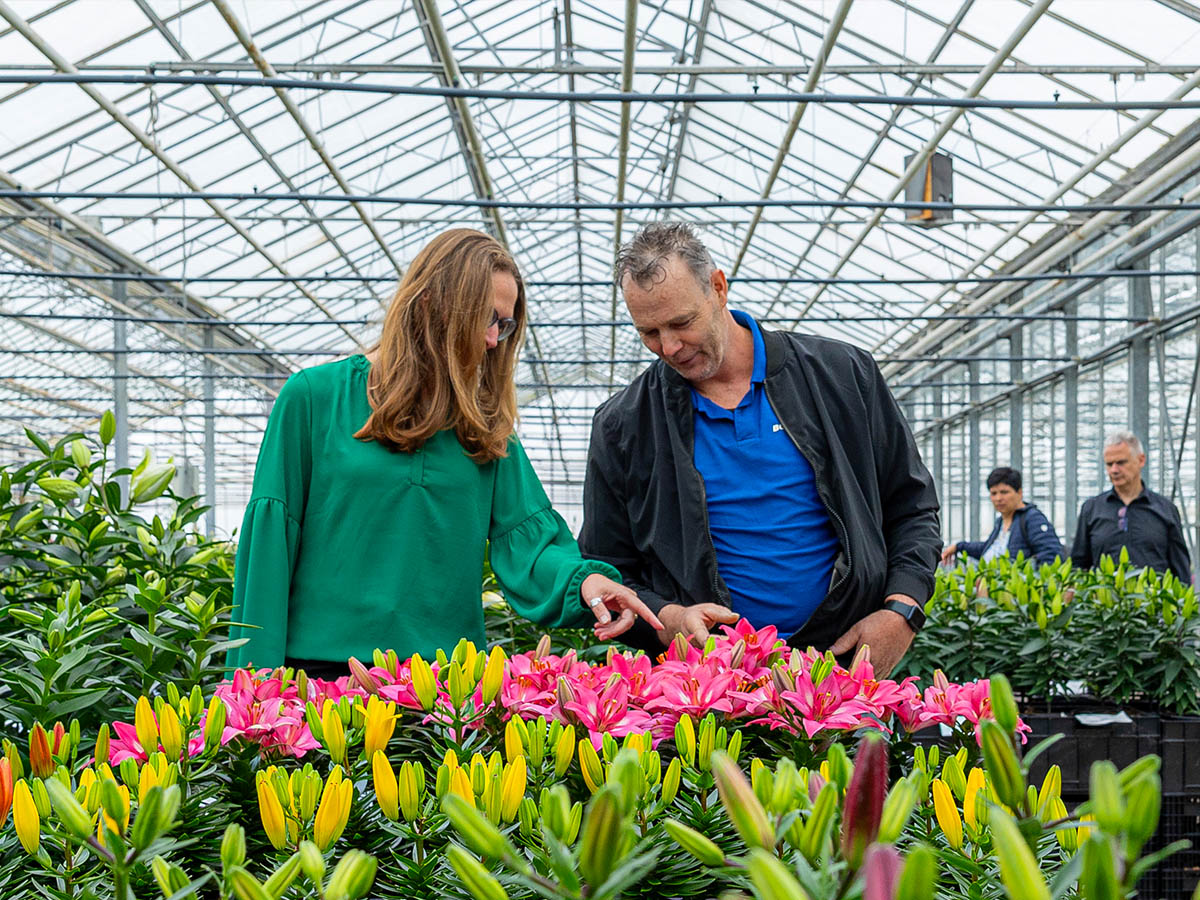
[[602, 594]]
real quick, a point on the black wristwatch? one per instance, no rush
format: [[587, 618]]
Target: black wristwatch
[[912, 613]]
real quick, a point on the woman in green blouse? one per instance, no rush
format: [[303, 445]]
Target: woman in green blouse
[[382, 477]]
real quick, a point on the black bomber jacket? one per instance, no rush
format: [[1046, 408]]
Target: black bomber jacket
[[646, 514]]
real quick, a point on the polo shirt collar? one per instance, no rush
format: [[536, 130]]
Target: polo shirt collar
[[758, 373]]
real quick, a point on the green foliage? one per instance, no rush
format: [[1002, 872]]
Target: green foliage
[[1128, 635], [101, 599]]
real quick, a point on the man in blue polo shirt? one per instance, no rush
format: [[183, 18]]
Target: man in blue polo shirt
[[767, 522], [755, 473]]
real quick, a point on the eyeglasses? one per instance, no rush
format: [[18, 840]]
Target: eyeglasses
[[507, 326], [1123, 518]]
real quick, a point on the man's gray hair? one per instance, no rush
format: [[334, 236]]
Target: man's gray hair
[[1128, 438], [643, 258]]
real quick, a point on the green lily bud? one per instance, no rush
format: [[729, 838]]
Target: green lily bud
[[1142, 810], [535, 745], [1000, 762], [1019, 869], [815, 839], [128, 770], [1108, 801], [670, 782], [483, 837], [170, 878], [1004, 706], [685, 739], [457, 684], [743, 808], [626, 773], [954, 777], [152, 482], [246, 886], [41, 798], [919, 876], [556, 810], [762, 780], [527, 817], [477, 879], [312, 862], [1098, 877], [102, 744], [108, 427], [603, 835], [352, 877], [281, 879], [73, 816], [695, 843], [838, 765], [233, 846], [771, 878], [706, 738], [1137, 768], [734, 750], [897, 810], [145, 826]]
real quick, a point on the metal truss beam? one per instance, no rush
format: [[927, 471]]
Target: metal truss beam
[[64, 65], [247, 41], [269, 158], [831, 35], [918, 161], [688, 69]]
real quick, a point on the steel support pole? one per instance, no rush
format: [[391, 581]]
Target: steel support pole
[[1071, 428], [1139, 363], [1016, 405], [120, 384], [210, 439], [974, 476], [939, 462]]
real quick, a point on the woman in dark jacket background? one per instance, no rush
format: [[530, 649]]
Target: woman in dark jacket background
[[1020, 528]]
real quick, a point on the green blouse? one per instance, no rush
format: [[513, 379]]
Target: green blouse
[[347, 546]]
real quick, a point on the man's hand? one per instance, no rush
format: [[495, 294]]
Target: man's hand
[[948, 554], [693, 622], [885, 631]]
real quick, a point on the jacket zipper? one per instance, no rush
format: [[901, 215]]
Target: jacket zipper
[[843, 533], [714, 575]]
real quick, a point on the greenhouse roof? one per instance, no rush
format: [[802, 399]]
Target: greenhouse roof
[[274, 217]]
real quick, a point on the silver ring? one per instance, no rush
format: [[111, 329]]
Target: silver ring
[[594, 602]]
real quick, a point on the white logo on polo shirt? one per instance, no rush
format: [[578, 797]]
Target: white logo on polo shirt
[[776, 427]]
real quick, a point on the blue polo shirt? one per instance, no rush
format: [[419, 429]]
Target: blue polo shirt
[[775, 543]]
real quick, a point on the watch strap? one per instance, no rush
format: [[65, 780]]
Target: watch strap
[[912, 613]]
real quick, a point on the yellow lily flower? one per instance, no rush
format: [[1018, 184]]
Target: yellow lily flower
[[333, 810], [386, 791], [170, 733], [512, 788], [25, 818], [333, 732], [380, 722], [270, 810], [408, 790], [145, 725], [975, 783], [947, 814]]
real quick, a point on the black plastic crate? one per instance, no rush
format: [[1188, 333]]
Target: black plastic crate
[[1176, 877], [1181, 754], [1082, 745]]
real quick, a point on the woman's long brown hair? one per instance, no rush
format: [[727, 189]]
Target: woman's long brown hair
[[433, 370]]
